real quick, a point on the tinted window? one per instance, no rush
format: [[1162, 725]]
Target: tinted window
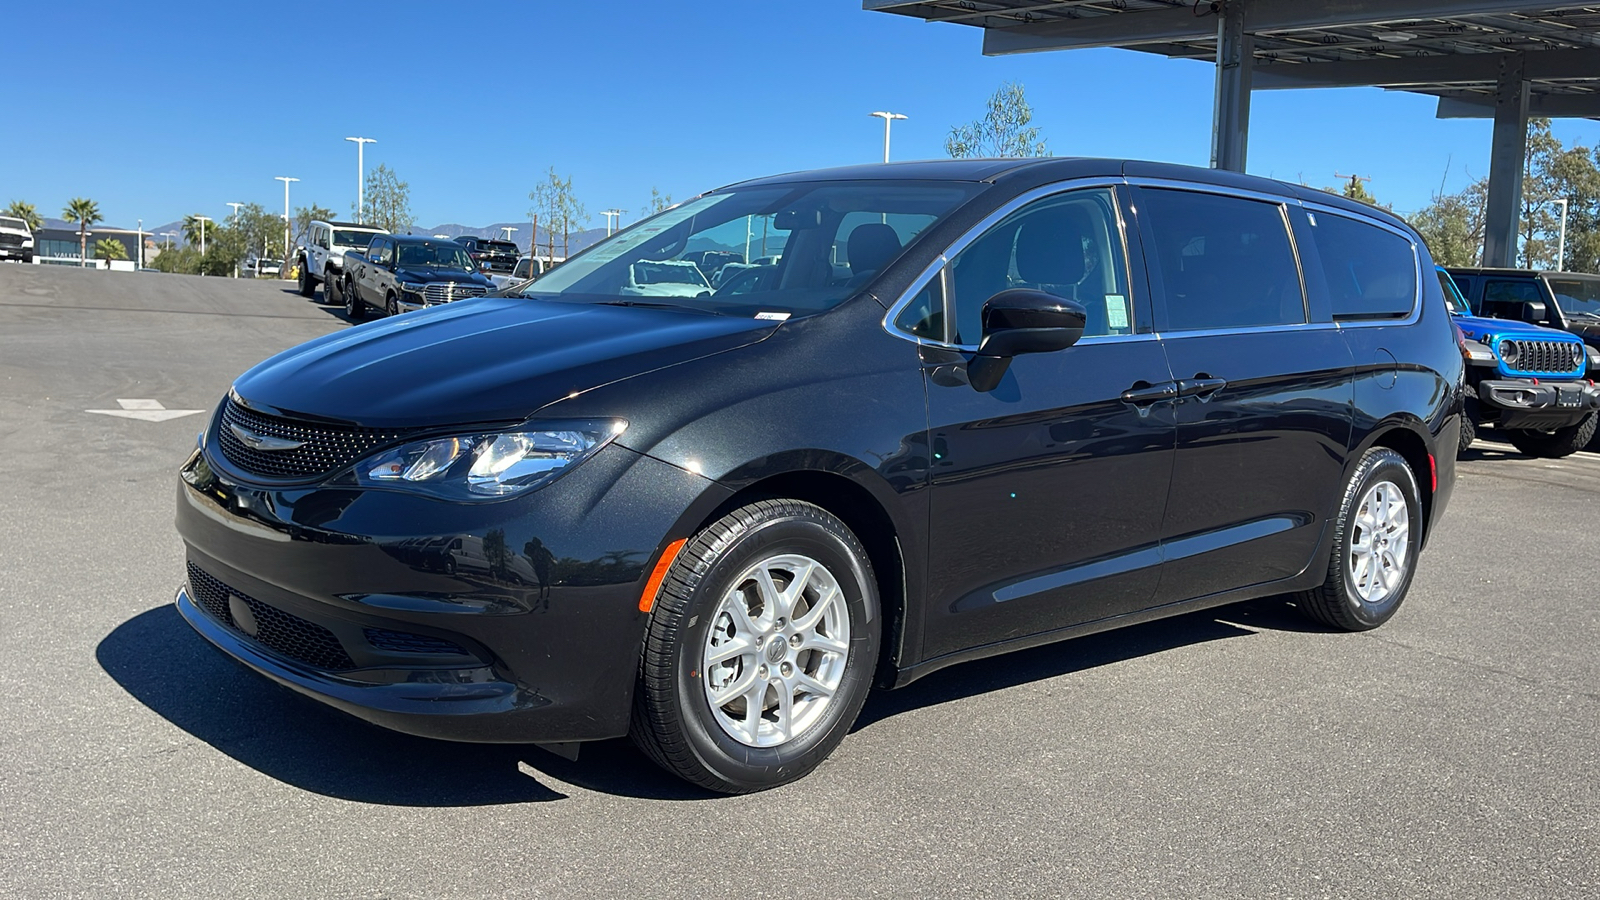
[[1371, 272], [1511, 292], [1577, 296], [1068, 245], [1225, 262], [1463, 284]]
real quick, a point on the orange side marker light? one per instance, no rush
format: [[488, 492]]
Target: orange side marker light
[[647, 600]]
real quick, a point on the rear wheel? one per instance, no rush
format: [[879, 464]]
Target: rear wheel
[[761, 649], [353, 307], [330, 288], [1554, 444], [1375, 544], [306, 285]]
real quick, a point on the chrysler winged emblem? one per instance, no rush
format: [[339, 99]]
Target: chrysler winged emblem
[[263, 441]]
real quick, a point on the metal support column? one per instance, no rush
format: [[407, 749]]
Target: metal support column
[[1507, 157], [1230, 118]]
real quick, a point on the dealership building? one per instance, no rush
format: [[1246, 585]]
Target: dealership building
[[59, 246]]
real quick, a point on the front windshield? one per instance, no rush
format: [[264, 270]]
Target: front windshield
[[1577, 296], [1452, 295], [357, 239], [18, 224], [821, 243], [439, 256]]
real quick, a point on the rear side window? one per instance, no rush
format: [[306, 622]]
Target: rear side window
[[1225, 262], [1511, 292], [1371, 272]]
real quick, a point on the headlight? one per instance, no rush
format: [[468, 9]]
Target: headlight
[[488, 465], [410, 288], [1508, 352]]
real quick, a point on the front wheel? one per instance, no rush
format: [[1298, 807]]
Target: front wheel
[[330, 289], [1554, 444], [761, 650], [392, 306], [1375, 544]]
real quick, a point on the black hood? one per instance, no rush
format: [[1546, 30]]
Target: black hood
[[430, 274], [496, 359]]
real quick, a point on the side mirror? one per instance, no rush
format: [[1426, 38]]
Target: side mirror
[[1533, 311], [1018, 321]]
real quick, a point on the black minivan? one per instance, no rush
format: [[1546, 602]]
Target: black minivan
[[962, 407]]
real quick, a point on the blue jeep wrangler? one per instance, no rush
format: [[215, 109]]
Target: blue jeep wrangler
[[1530, 382]]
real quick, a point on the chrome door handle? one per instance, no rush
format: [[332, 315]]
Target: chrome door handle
[[1201, 386], [1143, 393]]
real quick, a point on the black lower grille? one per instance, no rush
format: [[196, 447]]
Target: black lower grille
[[404, 642], [322, 449], [279, 631], [10, 240]]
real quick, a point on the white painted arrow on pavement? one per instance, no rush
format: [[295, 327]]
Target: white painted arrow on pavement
[[145, 410]]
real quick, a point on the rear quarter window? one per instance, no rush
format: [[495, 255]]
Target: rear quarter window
[[1371, 271]]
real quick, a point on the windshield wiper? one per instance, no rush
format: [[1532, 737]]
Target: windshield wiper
[[1584, 313], [651, 305]]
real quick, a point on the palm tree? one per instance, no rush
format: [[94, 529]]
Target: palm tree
[[191, 229], [86, 213], [26, 212], [108, 249]]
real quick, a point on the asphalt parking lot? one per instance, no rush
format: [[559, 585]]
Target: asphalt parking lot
[[1237, 753]]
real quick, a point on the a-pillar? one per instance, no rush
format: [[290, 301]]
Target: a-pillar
[[1507, 156], [1230, 118]]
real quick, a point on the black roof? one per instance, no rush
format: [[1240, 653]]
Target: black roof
[[353, 225], [1026, 172]]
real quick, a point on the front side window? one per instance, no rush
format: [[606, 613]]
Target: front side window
[[1577, 296], [1225, 262], [383, 250], [1068, 245], [1371, 271], [1453, 300], [797, 248]]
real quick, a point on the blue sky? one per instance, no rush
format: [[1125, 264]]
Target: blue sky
[[162, 110]]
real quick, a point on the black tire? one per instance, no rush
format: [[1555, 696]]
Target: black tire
[[306, 286], [1338, 602], [1469, 433], [330, 289], [673, 719], [391, 305], [1554, 444], [354, 308]]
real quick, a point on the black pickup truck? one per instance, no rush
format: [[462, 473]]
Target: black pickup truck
[[400, 273]]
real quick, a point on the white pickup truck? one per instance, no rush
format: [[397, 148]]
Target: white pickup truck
[[16, 240], [322, 257]]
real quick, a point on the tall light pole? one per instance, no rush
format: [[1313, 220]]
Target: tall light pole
[[887, 118], [169, 235], [361, 175], [612, 216], [236, 225], [508, 229], [1561, 244], [140, 254], [202, 220], [285, 180]]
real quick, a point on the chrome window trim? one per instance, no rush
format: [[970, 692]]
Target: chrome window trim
[[983, 225], [1249, 329], [1416, 260]]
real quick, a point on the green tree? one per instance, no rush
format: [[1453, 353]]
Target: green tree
[[1356, 189], [1452, 224], [26, 212], [193, 233], [86, 213], [658, 202], [557, 204], [388, 202], [109, 249], [1003, 130]]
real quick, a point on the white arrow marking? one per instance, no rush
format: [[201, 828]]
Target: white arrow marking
[[145, 411]]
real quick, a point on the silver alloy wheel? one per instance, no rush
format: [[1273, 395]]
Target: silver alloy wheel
[[1380, 543], [776, 651]]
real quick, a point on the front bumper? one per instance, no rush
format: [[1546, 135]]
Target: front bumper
[[16, 252], [512, 621], [1525, 404]]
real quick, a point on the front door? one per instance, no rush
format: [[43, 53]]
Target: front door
[[1264, 389], [1047, 493]]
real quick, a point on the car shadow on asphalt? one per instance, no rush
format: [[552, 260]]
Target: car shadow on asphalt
[[1079, 654], [317, 301], [158, 659]]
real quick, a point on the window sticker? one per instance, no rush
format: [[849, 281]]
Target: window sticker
[[1313, 217], [1116, 311], [773, 316]]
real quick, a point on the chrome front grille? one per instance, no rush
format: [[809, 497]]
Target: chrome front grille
[[323, 450], [10, 240], [446, 291], [1548, 357]]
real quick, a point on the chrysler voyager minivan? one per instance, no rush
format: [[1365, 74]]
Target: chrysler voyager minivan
[[971, 406]]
